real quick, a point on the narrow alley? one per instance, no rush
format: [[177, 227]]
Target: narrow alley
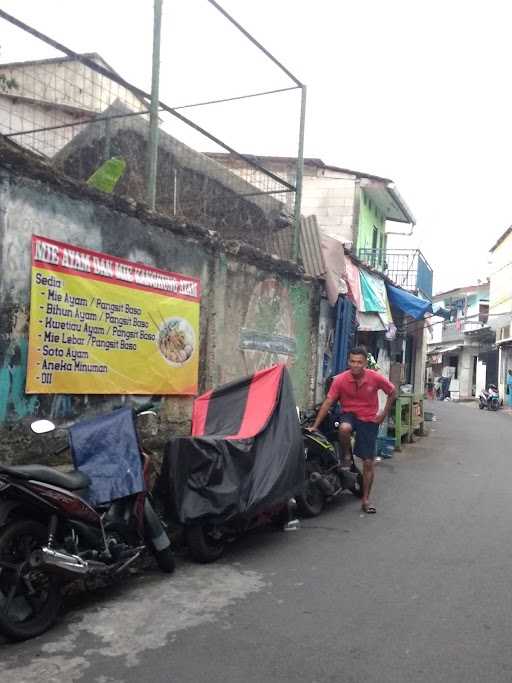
[[418, 592]]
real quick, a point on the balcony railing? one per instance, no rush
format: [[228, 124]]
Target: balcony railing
[[407, 267], [452, 331]]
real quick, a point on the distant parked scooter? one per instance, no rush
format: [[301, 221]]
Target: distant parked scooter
[[489, 399]]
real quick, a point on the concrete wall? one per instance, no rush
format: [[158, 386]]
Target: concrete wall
[[481, 377], [471, 298], [248, 298], [500, 295], [55, 92], [420, 360], [190, 186], [327, 194], [17, 115], [331, 199], [68, 82]]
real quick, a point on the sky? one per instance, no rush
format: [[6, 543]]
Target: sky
[[413, 91]]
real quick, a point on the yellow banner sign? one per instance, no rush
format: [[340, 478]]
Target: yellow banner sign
[[103, 325]]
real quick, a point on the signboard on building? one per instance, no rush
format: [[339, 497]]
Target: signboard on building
[[104, 325]]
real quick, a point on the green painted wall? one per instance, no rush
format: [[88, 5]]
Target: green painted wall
[[370, 216]]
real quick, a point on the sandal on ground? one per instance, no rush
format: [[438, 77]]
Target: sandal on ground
[[368, 508]]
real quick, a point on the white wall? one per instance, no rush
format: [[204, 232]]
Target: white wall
[[500, 295], [68, 83], [16, 115], [331, 199], [421, 338], [465, 373], [481, 370]]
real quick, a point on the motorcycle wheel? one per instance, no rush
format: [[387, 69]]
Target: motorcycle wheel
[[165, 560], [202, 544], [312, 501], [481, 406], [29, 598]]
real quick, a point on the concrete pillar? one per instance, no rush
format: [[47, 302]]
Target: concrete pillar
[[420, 351]]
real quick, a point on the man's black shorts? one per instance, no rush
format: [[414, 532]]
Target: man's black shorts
[[366, 436]]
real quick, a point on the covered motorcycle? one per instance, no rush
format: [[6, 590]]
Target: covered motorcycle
[[241, 466]]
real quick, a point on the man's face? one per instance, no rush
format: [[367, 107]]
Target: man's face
[[357, 364]]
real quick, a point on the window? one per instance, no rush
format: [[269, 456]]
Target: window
[[375, 237]]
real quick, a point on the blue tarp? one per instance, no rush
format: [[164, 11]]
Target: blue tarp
[[107, 449], [408, 303]]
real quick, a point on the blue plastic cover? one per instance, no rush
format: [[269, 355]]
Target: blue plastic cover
[[107, 449], [408, 303]]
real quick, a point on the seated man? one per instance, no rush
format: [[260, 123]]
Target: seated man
[[357, 390]]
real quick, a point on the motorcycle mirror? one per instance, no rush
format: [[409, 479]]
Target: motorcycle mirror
[[42, 426]]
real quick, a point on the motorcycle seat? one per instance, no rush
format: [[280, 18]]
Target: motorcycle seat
[[71, 481]]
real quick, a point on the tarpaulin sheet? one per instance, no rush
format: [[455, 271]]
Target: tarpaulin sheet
[[373, 291], [246, 454], [334, 259], [353, 282], [107, 449], [370, 322], [408, 303]]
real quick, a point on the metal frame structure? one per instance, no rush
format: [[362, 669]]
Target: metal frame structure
[[155, 105]]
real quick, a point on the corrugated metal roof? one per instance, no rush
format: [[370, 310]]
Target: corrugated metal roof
[[311, 248]]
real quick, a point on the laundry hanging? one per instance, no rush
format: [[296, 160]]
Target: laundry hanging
[[373, 293], [353, 282]]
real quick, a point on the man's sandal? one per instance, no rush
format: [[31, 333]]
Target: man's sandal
[[369, 509]]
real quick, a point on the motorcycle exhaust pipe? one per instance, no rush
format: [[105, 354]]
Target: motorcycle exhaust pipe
[[322, 483], [63, 563]]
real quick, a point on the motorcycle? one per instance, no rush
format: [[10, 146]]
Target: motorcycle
[[50, 534], [326, 476], [241, 467], [489, 399]]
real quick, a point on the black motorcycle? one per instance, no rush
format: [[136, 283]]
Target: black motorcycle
[[327, 476], [51, 534]]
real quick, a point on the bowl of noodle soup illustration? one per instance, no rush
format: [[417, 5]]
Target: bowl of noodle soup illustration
[[176, 341]]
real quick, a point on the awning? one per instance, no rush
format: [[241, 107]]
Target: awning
[[408, 303], [498, 320], [370, 322], [444, 349]]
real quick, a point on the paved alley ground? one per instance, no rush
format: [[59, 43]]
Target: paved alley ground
[[420, 592]]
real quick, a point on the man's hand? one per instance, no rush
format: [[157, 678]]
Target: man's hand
[[379, 418]]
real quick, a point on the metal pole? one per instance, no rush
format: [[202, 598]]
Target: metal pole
[[253, 40], [153, 116], [108, 139], [141, 93], [299, 177]]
